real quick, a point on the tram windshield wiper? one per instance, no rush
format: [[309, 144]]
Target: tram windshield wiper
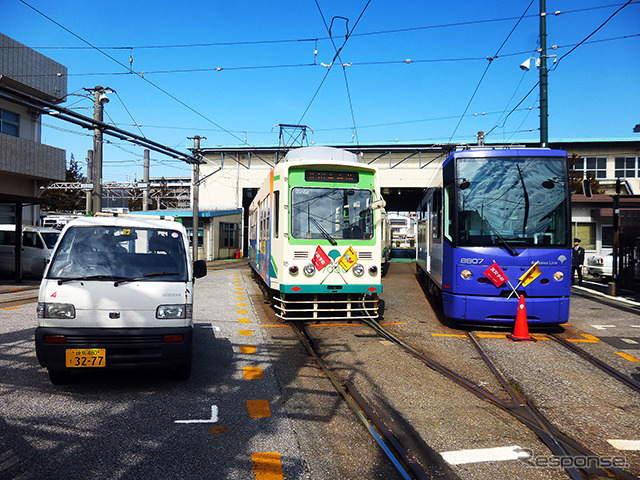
[[326, 234], [504, 242]]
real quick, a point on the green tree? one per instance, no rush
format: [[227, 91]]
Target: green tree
[[66, 201]]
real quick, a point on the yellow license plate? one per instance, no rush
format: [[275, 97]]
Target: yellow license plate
[[85, 357]]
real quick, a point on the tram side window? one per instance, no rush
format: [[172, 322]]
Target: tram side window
[[252, 224], [447, 204], [436, 214], [264, 218], [276, 213]]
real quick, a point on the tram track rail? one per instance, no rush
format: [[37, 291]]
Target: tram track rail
[[559, 444], [375, 426], [632, 384]]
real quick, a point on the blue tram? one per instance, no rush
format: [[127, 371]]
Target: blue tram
[[315, 236], [508, 208]]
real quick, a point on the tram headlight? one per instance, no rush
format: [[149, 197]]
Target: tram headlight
[[466, 274], [293, 269], [358, 270], [558, 276], [373, 269], [309, 269]]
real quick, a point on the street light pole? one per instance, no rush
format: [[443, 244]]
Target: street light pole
[[544, 105], [100, 98], [195, 193]]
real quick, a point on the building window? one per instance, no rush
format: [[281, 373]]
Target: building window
[[627, 167], [586, 232], [607, 236], [592, 167], [229, 235], [9, 123]]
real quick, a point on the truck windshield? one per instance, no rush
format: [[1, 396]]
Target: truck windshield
[[515, 202], [120, 253], [331, 213]]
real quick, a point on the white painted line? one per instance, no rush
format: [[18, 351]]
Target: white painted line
[[497, 454], [625, 444], [629, 341], [634, 326], [213, 419], [602, 327]]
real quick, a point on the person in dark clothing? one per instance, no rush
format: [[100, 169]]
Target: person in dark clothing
[[577, 260]]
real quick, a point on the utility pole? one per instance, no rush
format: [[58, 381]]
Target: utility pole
[[88, 207], [145, 179], [195, 193], [100, 98], [544, 100]]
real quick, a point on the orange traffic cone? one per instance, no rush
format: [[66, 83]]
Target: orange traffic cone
[[521, 329]]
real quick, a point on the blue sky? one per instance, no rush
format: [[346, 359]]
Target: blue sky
[[269, 73]]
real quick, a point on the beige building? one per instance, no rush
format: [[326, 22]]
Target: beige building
[[25, 163]]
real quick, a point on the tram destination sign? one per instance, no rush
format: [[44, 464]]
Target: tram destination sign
[[331, 176]]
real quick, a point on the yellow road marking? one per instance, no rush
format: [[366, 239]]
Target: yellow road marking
[[242, 312], [587, 339], [11, 308], [241, 304], [267, 466], [241, 298], [246, 333], [447, 335], [218, 429], [244, 320], [247, 349], [258, 408], [252, 373], [626, 356]]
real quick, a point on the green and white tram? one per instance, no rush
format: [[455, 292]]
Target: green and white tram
[[315, 236]]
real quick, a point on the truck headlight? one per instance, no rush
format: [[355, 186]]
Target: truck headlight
[[166, 312], [56, 310], [358, 270]]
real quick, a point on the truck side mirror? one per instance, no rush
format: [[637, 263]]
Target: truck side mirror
[[199, 268]]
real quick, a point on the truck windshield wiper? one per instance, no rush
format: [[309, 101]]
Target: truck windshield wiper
[[121, 280], [326, 234], [90, 277]]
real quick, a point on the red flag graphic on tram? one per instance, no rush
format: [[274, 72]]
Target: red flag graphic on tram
[[320, 259], [496, 275]]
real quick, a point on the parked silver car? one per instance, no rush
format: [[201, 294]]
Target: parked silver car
[[600, 266]]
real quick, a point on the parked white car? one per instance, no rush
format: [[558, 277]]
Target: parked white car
[[600, 266], [37, 245]]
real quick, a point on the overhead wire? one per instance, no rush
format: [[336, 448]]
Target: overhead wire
[[332, 62], [316, 39], [344, 70], [490, 60], [126, 67], [591, 34], [307, 65], [136, 124], [555, 66]]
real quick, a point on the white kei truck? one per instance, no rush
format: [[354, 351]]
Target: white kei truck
[[117, 294]]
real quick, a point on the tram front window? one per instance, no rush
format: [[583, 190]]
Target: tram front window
[[520, 202], [331, 214]]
